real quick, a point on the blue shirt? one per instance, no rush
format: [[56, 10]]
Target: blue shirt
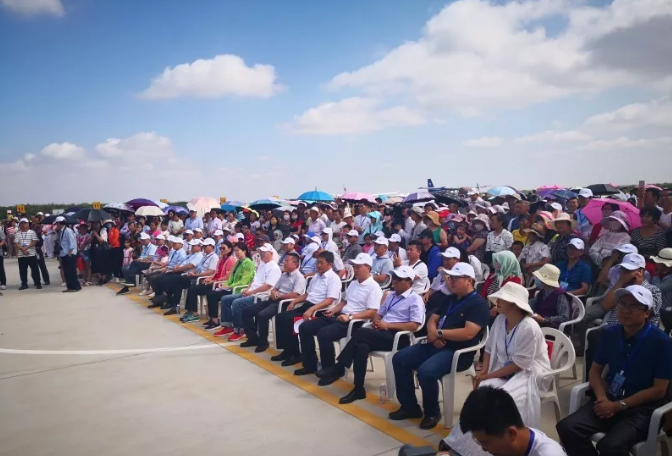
[[434, 261], [190, 224], [574, 277], [458, 311], [176, 257], [68, 242], [193, 258], [148, 252], [653, 358]]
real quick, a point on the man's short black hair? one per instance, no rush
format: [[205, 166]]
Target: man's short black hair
[[653, 192], [327, 256], [489, 410], [416, 243], [427, 233], [518, 243], [294, 255]]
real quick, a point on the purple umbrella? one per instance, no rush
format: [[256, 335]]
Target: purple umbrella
[[418, 196], [140, 202], [176, 209]]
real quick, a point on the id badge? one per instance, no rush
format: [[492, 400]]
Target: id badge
[[564, 285], [617, 385]]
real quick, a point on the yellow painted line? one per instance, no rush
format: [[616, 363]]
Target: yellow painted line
[[384, 425]]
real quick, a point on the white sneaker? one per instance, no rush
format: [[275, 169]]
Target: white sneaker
[[151, 295], [63, 284], [116, 280], [144, 293], [2, 287]]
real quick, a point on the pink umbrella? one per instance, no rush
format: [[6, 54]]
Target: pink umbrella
[[654, 186], [358, 196], [593, 211]]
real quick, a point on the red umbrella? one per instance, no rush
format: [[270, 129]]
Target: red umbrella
[[593, 211]]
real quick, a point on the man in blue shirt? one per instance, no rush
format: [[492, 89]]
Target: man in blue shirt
[[193, 222], [456, 324], [431, 253], [575, 274], [175, 258], [639, 358], [68, 255], [143, 262]]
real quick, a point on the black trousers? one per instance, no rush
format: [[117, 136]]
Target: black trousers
[[328, 330], [160, 283], [69, 265], [136, 267], [3, 276], [213, 298], [193, 293], [174, 286], [284, 326], [623, 430], [364, 341], [43, 266], [24, 263], [256, 319], [116, 258]]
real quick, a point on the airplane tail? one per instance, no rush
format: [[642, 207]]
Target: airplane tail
[[430, 184]]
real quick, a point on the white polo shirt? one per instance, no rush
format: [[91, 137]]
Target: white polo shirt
[[323, 286], [421, 272], [363, 296], [267, 273]]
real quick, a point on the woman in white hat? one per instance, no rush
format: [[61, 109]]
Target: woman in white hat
[[516, 360], [617, 224], [551, 304]]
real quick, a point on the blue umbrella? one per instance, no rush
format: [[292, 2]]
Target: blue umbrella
[[315, 195], [502, 191], [563, 194], [232, 206], [176, 209], [417, 197], [383, 198], [264, 204]]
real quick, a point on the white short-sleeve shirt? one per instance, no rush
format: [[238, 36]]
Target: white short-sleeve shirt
[[362, 296], [421, 273], [324, 286], [267, 273]]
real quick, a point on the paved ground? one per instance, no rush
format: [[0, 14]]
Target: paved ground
[[220, 398]]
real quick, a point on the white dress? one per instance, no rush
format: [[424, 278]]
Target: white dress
[[528, 350]]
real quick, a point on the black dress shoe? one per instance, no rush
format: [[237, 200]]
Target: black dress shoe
[[353, 396], [248, 343], [326, 381], [279, 357], [171, 311], [124, 290], [261, 348], [38, 286], [46, 284], [333, 371], [403, 414], [304, 371], [23, 287], [430, 422], [159, 299], [153, 306], [165, 306], [292, 360]]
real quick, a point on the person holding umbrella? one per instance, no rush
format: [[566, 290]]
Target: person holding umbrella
[[68, 255]]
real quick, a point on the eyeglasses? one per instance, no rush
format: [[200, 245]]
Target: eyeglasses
[[632, 306]]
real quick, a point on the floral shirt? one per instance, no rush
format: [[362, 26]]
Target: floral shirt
[[499, 242]]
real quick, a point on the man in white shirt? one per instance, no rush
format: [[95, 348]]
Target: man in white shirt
[[395, 248], [25, 240], [323, 291], [409, 224], [194, 221], [421, 272], [214, 223], [362, 222], [362, 301], [175, 226], [438, 290], [206, 268]]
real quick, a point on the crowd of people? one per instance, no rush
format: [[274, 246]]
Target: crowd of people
[[380, 277]]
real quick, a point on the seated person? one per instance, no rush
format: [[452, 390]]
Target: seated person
[[617, 235], [517, 248], [431, 253], [395, 249], [361, 302], [576, 276], [413, 252], [206, 268], [438, 290], [352, 249], [143, 263], [382, 264], [173, 284], [309, 256], [664, 283], [551, 304], [368, 247], [402, 311], [535, 254], [448, 330], [256, 317], [176, 256], [521, 234], [639, 358], [516, 359], [288, 246], [323, 291]]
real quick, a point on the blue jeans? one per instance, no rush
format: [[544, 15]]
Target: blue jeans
[[226, 303], [431, 363], [237, 309]]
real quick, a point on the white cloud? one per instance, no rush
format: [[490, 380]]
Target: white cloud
[[627, 143], [554, 136], [657, 113], [486, 141], [64, 151], [478, 55], [18, 165], [140, 148], [34, 7], [220, 76], [29, 157], [353, 116]]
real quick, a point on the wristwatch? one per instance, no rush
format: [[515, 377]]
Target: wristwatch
[[349, 317], [440, 333], [623, 405]]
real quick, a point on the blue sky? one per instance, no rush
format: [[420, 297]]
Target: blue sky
[[375, 96]]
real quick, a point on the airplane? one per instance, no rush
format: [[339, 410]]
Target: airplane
[[432, 189]]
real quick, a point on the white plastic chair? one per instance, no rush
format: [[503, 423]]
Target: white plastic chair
[[351, 275], [595, 300], [563, 358], [486, 271], [387, 283], [427, 284], [256, 257], [655, 435], [183, 296]]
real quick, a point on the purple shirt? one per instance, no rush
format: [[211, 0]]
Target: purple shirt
[[403, 309]]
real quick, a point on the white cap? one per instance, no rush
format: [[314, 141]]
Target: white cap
[[586, 193], [240, 236], [327, 231], [218, 233], [462, 270], [451, 252], [404, 272], [316, 239], [395, 238], [314, 208], [24, 220], [362, 258], [266, 248], [160, 237], [627, 248], [59, 219], [556, 206], [178, 240], [353, 233], [471, 192], [198, 230], [578, 243], [144, 236], [379, 234], [633, 261], [641, 294], [195, 242], [39, 213], [289, 240], [188, 232], [382, 240], [209, 241]]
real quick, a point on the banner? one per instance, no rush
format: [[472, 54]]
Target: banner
[[222, 199], [96, 205], [21, 209]]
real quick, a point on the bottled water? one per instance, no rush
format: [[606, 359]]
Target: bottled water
[[383, 393]]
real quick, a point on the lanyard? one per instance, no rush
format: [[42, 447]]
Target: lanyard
[[394, 303], [452, 309], [530, 443], [639, 342], [204, 260], [513, 333]]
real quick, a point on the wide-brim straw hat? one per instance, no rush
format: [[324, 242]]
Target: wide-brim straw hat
[[513, 293], [562, 217], [549, 275], [664, 257]]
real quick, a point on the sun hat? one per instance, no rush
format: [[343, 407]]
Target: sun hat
[[218, 233], [266, 248], [60, 219], [462, 270], [451, 252], [188, 232], [664, 257], [144, 236], [536, 228], [379, 234], [556, 206], [209, 241], [515, 294], [327, 231], [195, 242], [289, 240], [619, 217], [549, 275], [633, 261], [483, 219], [198, 230], [177, 240], [433, 216], [395, 238], [362, 258], [562, 217], [316, 239], [586, 193], [418, 210], [160, 237], [641, 294]]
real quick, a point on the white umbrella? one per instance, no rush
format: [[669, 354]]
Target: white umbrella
[[161, 204], [203, 204], [119, 207], [150, 211]]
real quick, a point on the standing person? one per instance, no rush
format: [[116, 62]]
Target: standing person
[[116, 252], [68, 255], [25, 240], [99, 252], [39, 254], [11, 230], [3, 243], [83, 246]]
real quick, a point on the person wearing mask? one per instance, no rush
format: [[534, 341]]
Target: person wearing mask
[[25, 240], [639, 358], [617, 224], [479, 237], [551, 304], [599, 229], [447, 331], [68, 255], [563, 225], [431, 254]]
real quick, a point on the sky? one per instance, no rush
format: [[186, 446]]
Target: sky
[[109, 100]]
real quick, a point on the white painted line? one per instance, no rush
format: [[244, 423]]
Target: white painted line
[[12, 351]]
